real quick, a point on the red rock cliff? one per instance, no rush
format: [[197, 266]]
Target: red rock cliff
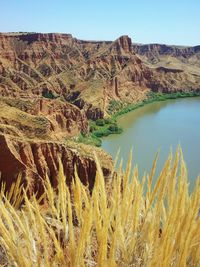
[[84, 72], [37, 159]]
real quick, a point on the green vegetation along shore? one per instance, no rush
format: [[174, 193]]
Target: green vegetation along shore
[[107, 126], [98, 129]]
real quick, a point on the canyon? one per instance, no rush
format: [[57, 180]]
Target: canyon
[[51, 85]]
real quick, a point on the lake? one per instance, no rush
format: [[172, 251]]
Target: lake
[[156, 127]]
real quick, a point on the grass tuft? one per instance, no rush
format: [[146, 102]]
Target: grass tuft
[[126, 221]]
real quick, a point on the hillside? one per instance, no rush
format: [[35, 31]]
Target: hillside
[[89, 74], [52, 84]]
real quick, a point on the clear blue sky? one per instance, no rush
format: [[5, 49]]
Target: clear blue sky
[[145, 21]]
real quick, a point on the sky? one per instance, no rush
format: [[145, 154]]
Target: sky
[[145, 21]]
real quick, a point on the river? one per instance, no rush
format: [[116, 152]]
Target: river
[[156, 127]]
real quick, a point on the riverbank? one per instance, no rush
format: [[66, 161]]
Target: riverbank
[[99, 129], [105, 127]]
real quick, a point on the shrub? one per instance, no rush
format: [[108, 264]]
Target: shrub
[[49, 94], [100, 133], [89, 139], [114, 105], [100, 122], [114, 128], [108, 121], [92, 128]]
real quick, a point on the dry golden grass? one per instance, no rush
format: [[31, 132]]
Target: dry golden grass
[[128, 222]]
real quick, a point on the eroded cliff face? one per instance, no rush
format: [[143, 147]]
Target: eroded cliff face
[[174, 58], [35, 160], [157, 50], [91, 73], [35, 134], [41, 118]]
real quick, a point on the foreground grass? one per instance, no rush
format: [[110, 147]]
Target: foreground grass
[[115, 225]]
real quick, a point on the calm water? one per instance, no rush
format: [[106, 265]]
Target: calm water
[[157, 127]]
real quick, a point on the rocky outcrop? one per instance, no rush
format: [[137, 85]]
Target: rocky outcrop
[[46, 37], [65, 118], [43, 118], [162, 49], [171, 57], [35, 160], [33, 137], [123, 45]]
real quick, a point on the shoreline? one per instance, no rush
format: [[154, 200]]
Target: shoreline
[[105, 127]]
